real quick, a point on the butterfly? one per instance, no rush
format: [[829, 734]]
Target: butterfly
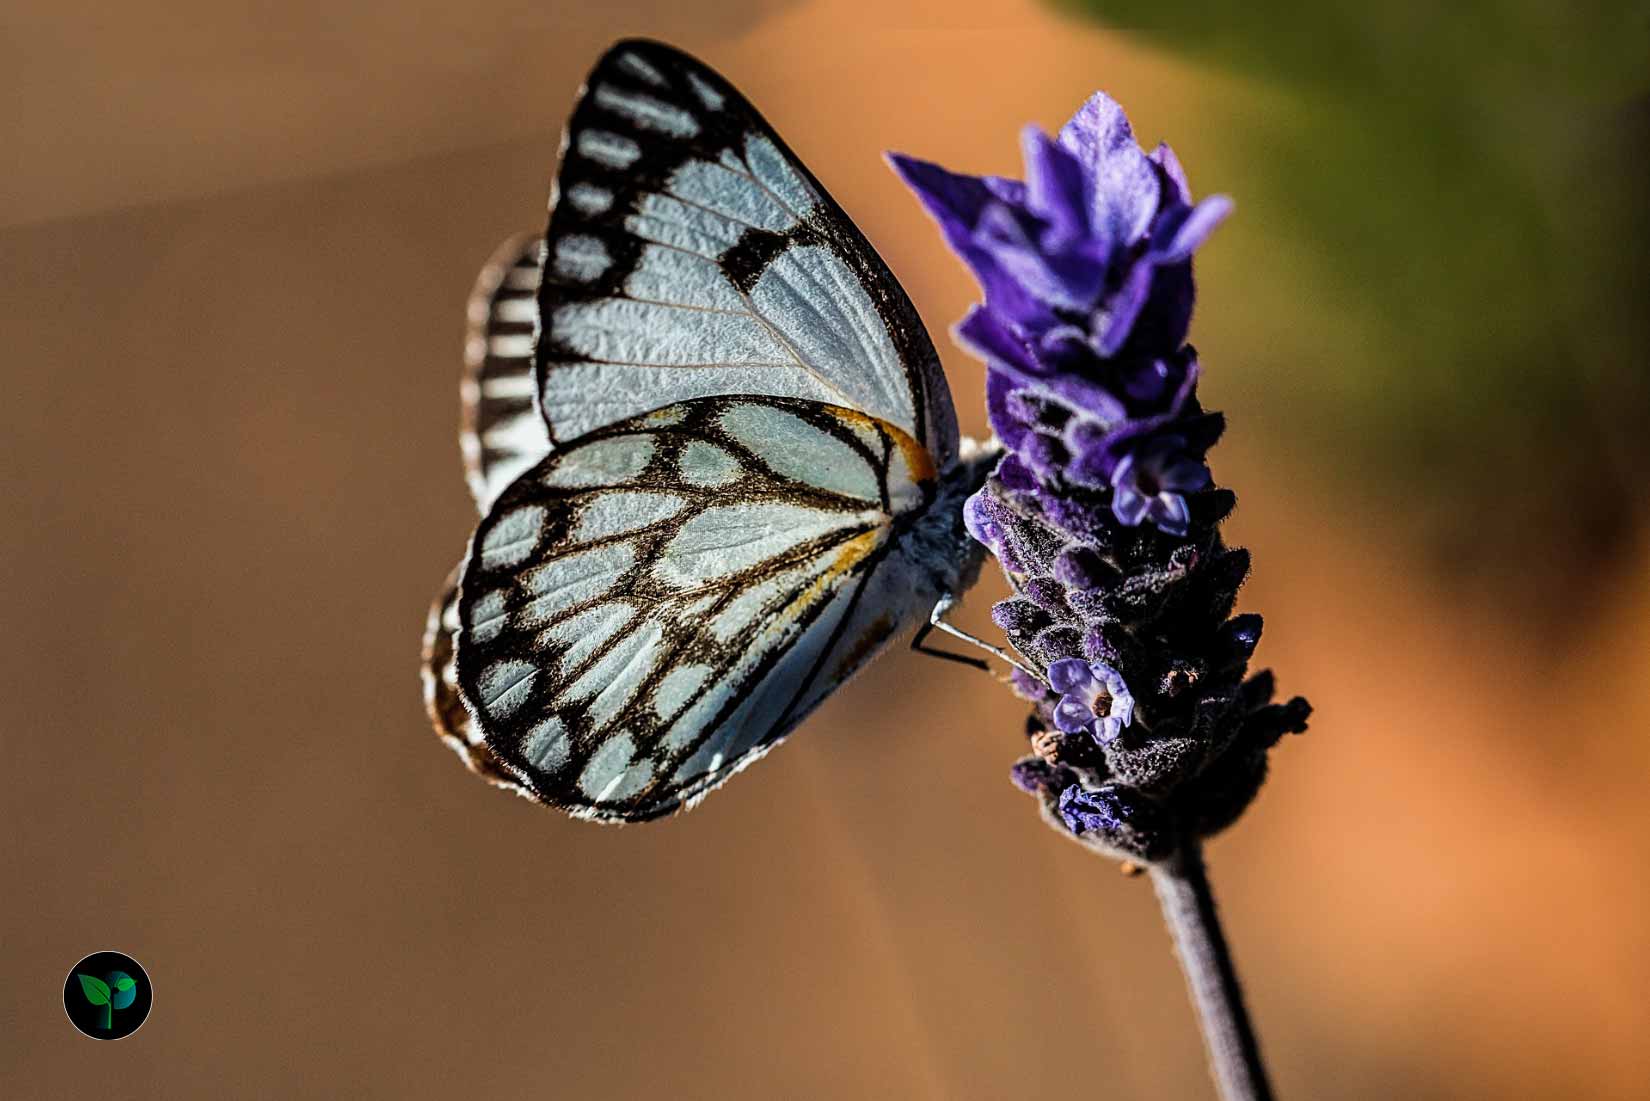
[[716, 459]]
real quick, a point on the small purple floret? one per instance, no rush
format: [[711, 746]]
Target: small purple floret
[[1150, 483], [1093, 699], [1089, 811]]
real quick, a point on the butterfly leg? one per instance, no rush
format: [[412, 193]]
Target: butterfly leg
[[936, 618]]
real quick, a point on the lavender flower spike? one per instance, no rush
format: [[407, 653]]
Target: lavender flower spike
[[1103, 513], [1149, 734]]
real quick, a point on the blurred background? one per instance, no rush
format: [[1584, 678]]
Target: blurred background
[[235, 243]]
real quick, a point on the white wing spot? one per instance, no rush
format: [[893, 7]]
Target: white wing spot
[[585, 633], [667, 220], [601, 463], [613, 150], [616, 512], [744, 609], [505, 685], [626, 333], [587, 198], [574, 578], [726, 539], [516, 311], [617, 674], [510, 345], [606, 768], [487, 616], [641, 652], [693, 721], [705, 464], [647, 112], [611, 776], [581, 257], [710, 97], [547, 746], [512, 539], [638, 66], [795, 449], [677, 687]]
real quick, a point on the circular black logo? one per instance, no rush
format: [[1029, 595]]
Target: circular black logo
[[107, 995]]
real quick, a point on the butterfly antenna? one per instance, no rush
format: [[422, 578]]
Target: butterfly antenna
[[936, 618]]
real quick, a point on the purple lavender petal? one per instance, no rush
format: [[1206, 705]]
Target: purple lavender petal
[[1106, 730], [1010, 242], [1012, 192], [1122, 702], [958, 202], [1072, 715], [1124, 470], [1044, 454], [980, 527], [1168, 511], [984, 333], [1098, 129], [1123, 190], [1055, 187], [1088, 811], [1185, 476], [1129, 507], [1192, 229], [954, 200], [1123, 308], [1122, 708], [1015, 476], [1069, 674], [1025, 685], [1078, 394], [1180, 187]]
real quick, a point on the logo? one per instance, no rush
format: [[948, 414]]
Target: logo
[[107, 995]]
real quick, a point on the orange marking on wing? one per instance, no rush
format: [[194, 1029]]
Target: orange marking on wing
[[917, 458], [849, 555]]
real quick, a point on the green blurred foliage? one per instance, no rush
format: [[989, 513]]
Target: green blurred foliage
[[1472, 177]]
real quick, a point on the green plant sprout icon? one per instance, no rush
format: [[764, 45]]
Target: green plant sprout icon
[[116, 990]]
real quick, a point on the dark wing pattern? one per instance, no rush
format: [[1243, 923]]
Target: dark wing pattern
[[689, 254], [442, 701], [652, 607], [502, 433]]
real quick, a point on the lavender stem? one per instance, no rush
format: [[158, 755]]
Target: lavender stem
[[1182, 884]]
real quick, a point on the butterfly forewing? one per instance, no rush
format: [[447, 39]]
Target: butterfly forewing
[[690, 254], [650, 608]]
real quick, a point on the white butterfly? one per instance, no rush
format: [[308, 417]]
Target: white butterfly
[[716, 454]]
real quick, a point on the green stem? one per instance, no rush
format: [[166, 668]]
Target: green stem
[[109, 1012]]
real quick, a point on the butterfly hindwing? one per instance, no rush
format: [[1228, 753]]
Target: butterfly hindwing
[[654, 605], [502, 433], [690, 254], [442, 702]]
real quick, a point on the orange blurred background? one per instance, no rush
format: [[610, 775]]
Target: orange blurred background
[[233, 260]]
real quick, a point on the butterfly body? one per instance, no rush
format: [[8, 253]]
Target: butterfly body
[[730, 476]]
